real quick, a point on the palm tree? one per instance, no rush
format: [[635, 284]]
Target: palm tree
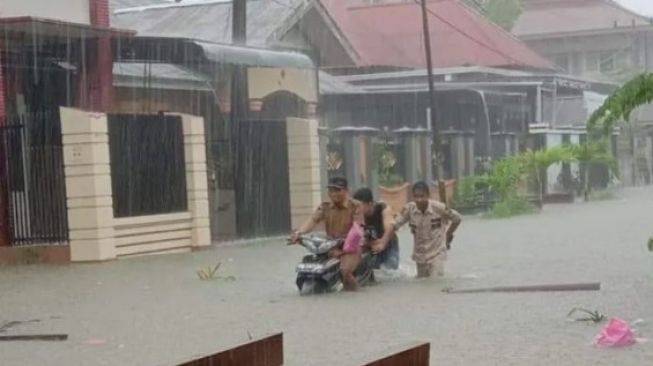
[[589, 153], [536, 163], [618, 106]]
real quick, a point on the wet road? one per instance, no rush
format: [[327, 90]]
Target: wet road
[[154, 310]]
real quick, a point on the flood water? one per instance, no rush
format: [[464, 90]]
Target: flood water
[[155, 311]]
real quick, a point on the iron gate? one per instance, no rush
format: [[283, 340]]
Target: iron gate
[[262, 182], [33, 180]]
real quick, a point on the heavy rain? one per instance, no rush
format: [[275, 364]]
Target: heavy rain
[[326, 182]]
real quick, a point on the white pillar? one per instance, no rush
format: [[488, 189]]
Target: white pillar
[[88, 185], [303, 169], [196, 179]]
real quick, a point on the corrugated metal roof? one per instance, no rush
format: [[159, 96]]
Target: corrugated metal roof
[[204, 20], [460, 36], [330, 84], [122, 4], [222, 53], [158, 76], [391, 35], [542, 17]]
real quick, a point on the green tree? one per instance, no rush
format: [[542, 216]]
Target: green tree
[[618, 106], [502, 12], [504, 178], [536, 163], [590, 153]]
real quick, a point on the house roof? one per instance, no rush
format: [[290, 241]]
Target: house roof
[[484, 78], [460, 36], [207, 20], [33, 26], [158, 76], [122, 4], [552, 17], [390, 34]]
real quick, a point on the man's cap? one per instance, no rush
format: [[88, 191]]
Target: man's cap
[[338, 182]]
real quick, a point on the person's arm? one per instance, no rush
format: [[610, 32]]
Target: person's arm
[[388, 231], [402, 219], [454, 219], [309, 225]]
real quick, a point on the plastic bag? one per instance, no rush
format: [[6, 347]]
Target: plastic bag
[[615, 333], [353, 239]]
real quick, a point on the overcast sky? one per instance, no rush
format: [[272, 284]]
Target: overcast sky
[[641, 6]]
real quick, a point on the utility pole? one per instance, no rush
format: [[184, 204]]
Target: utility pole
[[239, 24], [437, 145], [239, 94]]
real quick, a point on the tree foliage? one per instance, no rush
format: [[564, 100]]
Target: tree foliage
[[502, 12], [618, 106], [536, 163], [593, 152]]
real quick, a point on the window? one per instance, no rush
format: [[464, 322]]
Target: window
[[562, 61], [606, 61]]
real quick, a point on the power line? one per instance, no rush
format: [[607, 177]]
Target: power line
[[288, 6], [469, 36]]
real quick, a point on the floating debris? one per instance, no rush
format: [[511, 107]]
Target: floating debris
[[593, 316]]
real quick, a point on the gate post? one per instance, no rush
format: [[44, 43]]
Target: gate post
[[196, 179], [360, 169], [88, 185], [417, 154], [303, 169]]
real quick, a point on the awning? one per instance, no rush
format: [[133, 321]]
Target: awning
[[30, 26], [158, 76], [242, 55]]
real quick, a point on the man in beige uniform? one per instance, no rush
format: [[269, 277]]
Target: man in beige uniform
[[338, 215], [432, 225]]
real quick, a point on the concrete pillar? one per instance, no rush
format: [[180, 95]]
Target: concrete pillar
[[323, 135], [88, 185], [470, 154], [196, 180], [352, 170], [417, 154], [538, 105], [551, 185], [304, 161], [458, 156], [427, 153]]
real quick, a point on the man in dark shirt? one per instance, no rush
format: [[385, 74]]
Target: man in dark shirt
[[379, 223]]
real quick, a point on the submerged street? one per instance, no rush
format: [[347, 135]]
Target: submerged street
[[155, 310]]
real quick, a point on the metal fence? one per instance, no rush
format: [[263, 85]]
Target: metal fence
[[262, 180], [148, 171], [33, 180]]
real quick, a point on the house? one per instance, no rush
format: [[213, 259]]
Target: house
[[97, 168], [596, 39], [483, 113], [601, 40], [459, 36], [182, 59], [50, 57]]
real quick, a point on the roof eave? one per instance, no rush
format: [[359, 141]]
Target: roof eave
[[583, 33]]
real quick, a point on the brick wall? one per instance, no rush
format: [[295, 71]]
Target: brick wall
[[99, 12], [101, 60]]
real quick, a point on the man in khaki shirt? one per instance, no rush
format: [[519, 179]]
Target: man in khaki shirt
[[338, 215], [432, 225]]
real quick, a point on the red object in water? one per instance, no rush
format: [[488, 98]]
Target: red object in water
[[616, 333]]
